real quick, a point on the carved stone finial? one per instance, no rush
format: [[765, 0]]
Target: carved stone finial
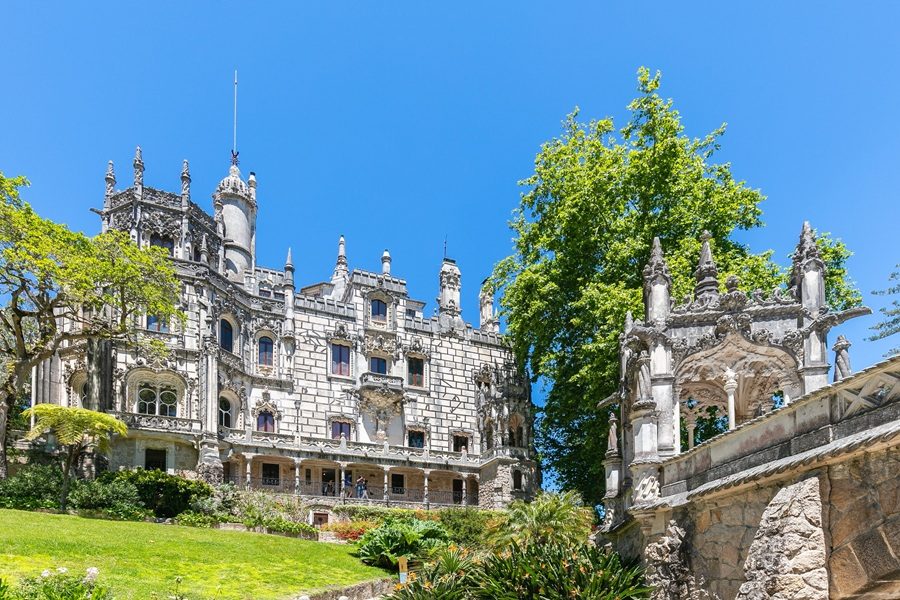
[[138, 167], [841, 358], [645, 392], [234, 158], [488, 318], [288, 262], [629, 322], [185, 180], [656, 266], [707, 287], [807, 258], [110, 180], [386, 262]]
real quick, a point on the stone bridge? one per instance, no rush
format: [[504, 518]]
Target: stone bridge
[[803, 502], [799, 498]]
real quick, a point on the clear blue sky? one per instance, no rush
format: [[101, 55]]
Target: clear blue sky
[[396, 124]]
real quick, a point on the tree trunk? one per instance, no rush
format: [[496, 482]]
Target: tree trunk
[[67, 471], [4, 419]]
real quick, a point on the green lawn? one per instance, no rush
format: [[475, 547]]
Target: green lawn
[[141, 560]]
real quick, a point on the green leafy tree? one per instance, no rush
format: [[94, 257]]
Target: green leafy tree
[[583, 234], [552, 516], [49, 273], [891, 323], [76, 429]]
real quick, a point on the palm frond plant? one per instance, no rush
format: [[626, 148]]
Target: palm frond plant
[[76, 429]]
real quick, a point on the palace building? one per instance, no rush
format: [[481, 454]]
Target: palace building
[[303, 390]]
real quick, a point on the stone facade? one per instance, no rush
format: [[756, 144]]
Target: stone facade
[[302, 391], [798, 498]]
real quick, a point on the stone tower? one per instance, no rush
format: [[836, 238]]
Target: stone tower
[[235, 203]]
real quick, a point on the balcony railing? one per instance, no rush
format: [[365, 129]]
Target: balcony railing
[[159, 422], [328, 489]]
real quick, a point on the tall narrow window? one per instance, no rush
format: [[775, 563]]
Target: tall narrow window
[[167, 403], [517, 480], [224, 412], [340, 360], [157, 323], [147, 401], [379, 310], [265, 422], [378, 365], [415, 368], [339, 428], [266, 351], [226, 336]]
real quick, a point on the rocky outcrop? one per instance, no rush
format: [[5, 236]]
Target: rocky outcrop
[[668, 570], [787, 557]]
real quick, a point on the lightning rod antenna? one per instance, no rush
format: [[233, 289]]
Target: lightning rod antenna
[[234, 139]]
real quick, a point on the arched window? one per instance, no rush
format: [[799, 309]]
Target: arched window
[[379, 310], [520, 436], [224, 412], [157, 401], [85, 392], [266, 351], [226, 335], [517, 480], [265, 422]]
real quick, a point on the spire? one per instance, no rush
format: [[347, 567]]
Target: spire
[[340, 267], [138, 168], [450, 283], [707, 287], [289, 269], [806, 258], [185, 182], [657, 284], [110, 180], [386, 262]]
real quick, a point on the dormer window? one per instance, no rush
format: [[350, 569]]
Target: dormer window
[[379, 310], [226, 335], [378, 365]]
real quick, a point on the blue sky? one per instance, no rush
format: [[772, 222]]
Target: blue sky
[[397, 124]]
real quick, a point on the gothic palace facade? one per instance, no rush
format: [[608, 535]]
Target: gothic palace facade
[[306, 390]]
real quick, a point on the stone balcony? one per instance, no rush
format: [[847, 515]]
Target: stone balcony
[[158, 422], [375, 386]]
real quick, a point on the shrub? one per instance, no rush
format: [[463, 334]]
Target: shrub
[[283, 525], [34, 486], [57, 585], [551, 517], [115, 498], [350, 531], [411, 538], [190, 518], [466, 526], [166, 495], [549, 571], [255, 509]]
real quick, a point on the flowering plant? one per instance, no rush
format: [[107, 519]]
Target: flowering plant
[[58, 584]]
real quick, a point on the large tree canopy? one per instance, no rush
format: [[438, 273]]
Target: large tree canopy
[[583, 233], [49, 275]]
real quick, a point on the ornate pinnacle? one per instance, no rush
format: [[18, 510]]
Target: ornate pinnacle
[[340, 267], [629, 322], [185, 170], [110, 180], [806, 254], [138, 167], [234, 158], [656, 266], [288, 262], [707, 284]]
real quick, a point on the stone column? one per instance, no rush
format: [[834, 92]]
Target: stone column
[[343, 479], [386, 470], [730, 388], [691, 427], [248, 458], [465, 500], [425, 491], [297, 476]]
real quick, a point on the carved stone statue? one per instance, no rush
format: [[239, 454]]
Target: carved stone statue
[[841, 358], [612, 443], [643, 376]]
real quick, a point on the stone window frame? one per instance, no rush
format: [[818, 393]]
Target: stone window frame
[[232, 320], [234, 404], [346, 343], [469, 435], [162, 326], [423, 429], [155, 379], [266, 404], [386, 356], [267, 333], [512, 483], [141, 446], [338, 418], [76, 392], [426, 370], [390, 321]]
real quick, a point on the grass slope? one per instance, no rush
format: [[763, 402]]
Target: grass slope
[[141, 560]]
